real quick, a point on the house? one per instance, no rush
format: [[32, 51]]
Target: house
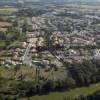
[[97, 53]]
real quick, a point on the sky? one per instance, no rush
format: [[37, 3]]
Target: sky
[[59, 0], [66, 0]]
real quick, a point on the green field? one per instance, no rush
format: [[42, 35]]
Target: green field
[[8, 10], [72, 93]]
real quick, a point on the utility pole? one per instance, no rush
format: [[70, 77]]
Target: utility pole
[[37, 75]]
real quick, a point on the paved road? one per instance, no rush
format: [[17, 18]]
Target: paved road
[[27, 60]]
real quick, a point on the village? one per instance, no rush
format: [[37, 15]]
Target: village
[[59, 35], [44, 48], [49, 50]]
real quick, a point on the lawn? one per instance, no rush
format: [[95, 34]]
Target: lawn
[[72, 93]]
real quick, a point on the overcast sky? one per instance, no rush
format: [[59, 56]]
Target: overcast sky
[[69, 0], [57, 0], [63, 0]]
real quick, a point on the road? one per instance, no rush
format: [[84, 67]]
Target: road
[[27, 60]]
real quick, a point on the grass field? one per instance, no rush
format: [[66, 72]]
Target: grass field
[[72, 93], [8, 10], [31, 73], [2, 44]]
